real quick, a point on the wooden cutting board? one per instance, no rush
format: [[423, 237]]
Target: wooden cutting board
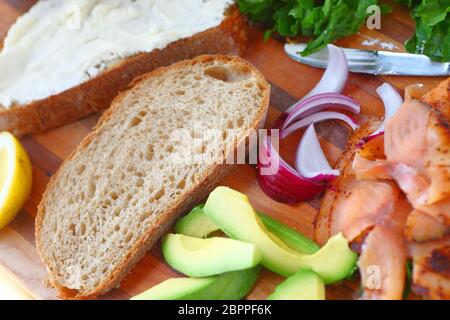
[[289, 80]]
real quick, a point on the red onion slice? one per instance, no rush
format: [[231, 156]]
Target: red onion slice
[[310, 160], [319, 103], [335, 76], [318, 117], [392, 101], [286, 185]]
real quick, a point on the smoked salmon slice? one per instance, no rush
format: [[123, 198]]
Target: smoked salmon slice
[[431, 268], [418, 137], [392, 200], [322, 222], [421, 227], [439, 98], [405, 135], [362, 206], [417, 147], [382, 265]]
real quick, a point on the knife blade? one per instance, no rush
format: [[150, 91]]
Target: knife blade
[[374, 62]]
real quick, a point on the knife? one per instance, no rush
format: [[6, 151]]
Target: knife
[[374, 62]]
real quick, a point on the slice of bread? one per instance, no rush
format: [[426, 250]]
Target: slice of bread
[[96, 94], [123, 187]]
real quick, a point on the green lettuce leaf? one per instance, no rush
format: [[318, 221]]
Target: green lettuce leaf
[[323, 21], [432, 36], [328, 20]]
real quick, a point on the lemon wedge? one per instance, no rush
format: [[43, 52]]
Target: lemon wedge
[[15, 177]]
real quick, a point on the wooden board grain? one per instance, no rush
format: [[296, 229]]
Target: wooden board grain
[[289, 80]]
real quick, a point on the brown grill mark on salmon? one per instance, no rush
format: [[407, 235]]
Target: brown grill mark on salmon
[[439, 261]]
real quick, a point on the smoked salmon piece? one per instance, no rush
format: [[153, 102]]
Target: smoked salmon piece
[[431, 269], [392, 200], [413, 183], [361, 205], [372, 169], [437, 158], [429, 222], [439, 98], [405, 135], [419, 137], [415, 186], [439, 210], [367, 204], [322, 222], [382, 265], [421, 227], [417, 147]]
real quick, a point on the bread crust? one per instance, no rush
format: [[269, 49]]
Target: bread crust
[[229, 37], [207, 183]]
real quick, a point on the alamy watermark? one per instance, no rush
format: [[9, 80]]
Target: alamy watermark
[[198, 145], [373, 277], [374, 19]]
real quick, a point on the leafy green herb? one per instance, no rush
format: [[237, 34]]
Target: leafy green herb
[[432, 36], [323, 21], [328, 20], [409, 3]]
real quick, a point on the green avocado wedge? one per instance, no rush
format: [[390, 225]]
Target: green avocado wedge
[[289, 236], [228, 286], [196, 257], [197, 224], [178, 289], [236, 285], [334, 262], [304, 285], [233, 213]]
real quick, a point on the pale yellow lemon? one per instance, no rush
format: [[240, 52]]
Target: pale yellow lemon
[[15, 177]]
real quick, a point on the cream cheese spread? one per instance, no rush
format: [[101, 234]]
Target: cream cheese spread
[[60, 44]]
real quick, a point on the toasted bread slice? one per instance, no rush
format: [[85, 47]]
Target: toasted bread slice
[[96, 94], [122, 188]]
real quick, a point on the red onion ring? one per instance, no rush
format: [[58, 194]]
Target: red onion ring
[[286, 185], [318, 117], [335, 76], [319, 103]]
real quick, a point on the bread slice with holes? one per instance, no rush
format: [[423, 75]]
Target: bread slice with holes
[[96, 94], [154, 154]]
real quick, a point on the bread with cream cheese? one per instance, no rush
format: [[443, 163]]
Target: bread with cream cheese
[[97, 93]]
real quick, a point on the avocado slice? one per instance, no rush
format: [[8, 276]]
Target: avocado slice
[[197, 224], [206, 257], [232, 211], [177, 289], [304, 285], [228, 286], [289, 236], [236, 285], [334, 262]]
